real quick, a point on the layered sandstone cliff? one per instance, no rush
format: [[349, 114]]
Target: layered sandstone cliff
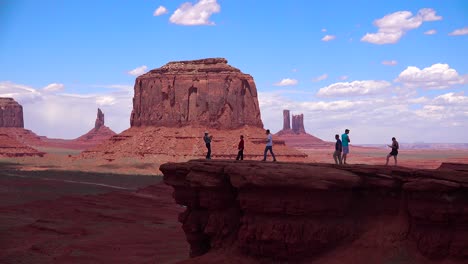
[[11, 113], [206, 92], [251, 212], [10, 147]]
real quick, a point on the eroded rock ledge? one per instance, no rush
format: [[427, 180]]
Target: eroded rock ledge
[[301, 212]]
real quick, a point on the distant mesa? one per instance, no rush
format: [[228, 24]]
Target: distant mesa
[[11, 113], [297, 136], [173, 106]]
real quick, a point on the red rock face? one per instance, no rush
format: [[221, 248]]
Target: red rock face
[[11, 113], [10, 147], [299, 213], [206, 92]]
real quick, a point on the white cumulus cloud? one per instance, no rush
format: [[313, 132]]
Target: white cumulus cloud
[[459, 32], [138, 71], [199, 14], [328, 37], [286, 82], [431, 32], [437, 76], [355, 88], [161, 10], [390, 63], [320, 78], [393, 26]]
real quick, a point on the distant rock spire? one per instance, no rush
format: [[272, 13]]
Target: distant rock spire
[[99, 120], [286, 120], [298, 124]]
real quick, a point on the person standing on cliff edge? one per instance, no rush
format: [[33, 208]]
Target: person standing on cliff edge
[[240, 154], [338, 150], [345, 141], [269, 146], [395, 146], [207, 140]]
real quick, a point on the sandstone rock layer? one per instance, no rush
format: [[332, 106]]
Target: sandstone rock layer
[[181, 144], [299, 213], [10, 147], [11, 113], [206, 92]]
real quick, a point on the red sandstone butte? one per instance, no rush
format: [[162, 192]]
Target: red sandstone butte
[[206, 92], [11, 113], [174, 105], [256, 212], [297, 137]]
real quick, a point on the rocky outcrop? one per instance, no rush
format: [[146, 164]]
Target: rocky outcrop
[[11, 113], [206, 92], [10, 147], [297, 212], [99, 120]]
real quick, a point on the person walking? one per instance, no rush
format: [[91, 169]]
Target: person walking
[[269, 146], [207, 140], [395, 146], [345, 142], [338, 150], [240, 154]]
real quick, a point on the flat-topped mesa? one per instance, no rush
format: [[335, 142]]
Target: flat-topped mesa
[[11, 113], [207, 92]]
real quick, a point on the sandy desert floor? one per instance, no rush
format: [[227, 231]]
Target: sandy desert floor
[[59, 209]]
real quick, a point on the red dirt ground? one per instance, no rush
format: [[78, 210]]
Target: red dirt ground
[[60, 220]]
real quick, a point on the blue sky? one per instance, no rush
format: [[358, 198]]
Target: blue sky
[[382, 70]]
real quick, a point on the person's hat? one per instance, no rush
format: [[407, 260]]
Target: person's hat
[[206, 132]]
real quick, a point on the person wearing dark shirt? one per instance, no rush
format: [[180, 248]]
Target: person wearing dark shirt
[[395, 146], [338, 150], [240, 154], [207, 140]]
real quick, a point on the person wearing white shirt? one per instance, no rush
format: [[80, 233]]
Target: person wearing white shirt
[[269, 146]]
